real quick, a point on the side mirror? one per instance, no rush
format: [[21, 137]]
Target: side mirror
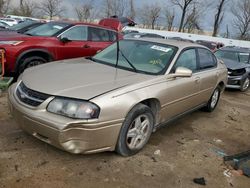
[[182, 72], [64, 39]]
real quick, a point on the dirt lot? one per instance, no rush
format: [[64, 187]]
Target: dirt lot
[[175, 155]]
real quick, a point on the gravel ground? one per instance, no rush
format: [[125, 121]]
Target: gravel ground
[[175, 154]]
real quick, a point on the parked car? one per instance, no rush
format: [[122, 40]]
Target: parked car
[[108, 103], [142, 35], [9, 21], [180, 39], [21, 27], [237, 61], [3, 25], [213, 46], [54, 41]]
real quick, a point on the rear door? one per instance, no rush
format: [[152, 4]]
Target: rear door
[[99, 38], [208, 73]]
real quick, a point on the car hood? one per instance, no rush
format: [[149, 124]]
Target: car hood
[[233, 65], [12, 35], [78, 78]]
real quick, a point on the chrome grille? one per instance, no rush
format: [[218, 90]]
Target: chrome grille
[[30, 97]]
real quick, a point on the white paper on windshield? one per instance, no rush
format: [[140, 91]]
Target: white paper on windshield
[[57, 27], [244, 54], [160, 48]]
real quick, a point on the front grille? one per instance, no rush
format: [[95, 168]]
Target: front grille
[[30, 97], [237, 72]]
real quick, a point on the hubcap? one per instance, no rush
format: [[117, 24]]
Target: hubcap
[[138, 132], [215, 98], [34, 63], [246, 84]]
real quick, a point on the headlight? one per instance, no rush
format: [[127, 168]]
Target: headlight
[[73, 108], [15, 43]]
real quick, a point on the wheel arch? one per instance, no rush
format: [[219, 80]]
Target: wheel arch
[[222, 86], [154, 105], [33, 52]]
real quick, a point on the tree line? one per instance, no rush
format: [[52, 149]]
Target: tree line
[[178, 15]]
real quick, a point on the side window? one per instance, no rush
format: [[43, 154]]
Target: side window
[[207, 59], [78, 33], [98, 35], [188, 60], [112, 35]]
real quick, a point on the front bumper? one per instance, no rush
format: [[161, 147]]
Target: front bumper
[[235, 82], [64, 133]]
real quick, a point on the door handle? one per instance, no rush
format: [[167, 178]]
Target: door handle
[[197, 80], [86, 46]]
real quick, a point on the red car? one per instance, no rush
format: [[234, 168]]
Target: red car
[[54, 41]]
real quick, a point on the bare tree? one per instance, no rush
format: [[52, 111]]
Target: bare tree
[[169, 16], [114, 7], [84, 12], [4, 6], [219, 16], [242, 19], [26, 8], [131, 13], [52, 8], [149, 14], [184, 5], [192, 21]]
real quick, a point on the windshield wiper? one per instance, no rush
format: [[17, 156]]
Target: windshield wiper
[[128, 61], [28, 34]]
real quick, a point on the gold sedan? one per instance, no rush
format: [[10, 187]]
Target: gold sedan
[[115, 100]]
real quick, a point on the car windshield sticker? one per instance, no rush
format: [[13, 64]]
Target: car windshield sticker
[[57, 27], [244, 54], [160, 48]]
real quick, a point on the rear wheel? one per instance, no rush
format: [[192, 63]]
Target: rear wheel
[[30, 62], [213, 101], [245, 84], [135, 131]]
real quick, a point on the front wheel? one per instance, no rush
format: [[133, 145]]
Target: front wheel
[[31, 62], [245, 84], [213, 101], [136, 130]]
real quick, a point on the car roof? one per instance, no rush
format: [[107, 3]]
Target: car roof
[[83, 23], [179, 44], [235, 49]]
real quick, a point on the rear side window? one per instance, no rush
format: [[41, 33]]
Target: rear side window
[[207, 59], [188, 60], [113, 35], [98, 34], [78, 33]]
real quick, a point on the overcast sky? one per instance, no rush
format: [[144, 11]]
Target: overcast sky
[[206, 23]]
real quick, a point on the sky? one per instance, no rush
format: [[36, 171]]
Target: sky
[[207, 21]]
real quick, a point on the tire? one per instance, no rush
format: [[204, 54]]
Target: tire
[[245, 85], [30, 62], [134, 137], [213, 101]]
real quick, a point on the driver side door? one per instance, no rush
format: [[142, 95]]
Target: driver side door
[[77, 46]]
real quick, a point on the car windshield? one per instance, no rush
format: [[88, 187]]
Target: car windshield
[[21, 25], [47, 30], [138, 56], [242, 57]]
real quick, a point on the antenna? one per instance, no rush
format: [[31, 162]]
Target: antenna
[[118, 48]]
